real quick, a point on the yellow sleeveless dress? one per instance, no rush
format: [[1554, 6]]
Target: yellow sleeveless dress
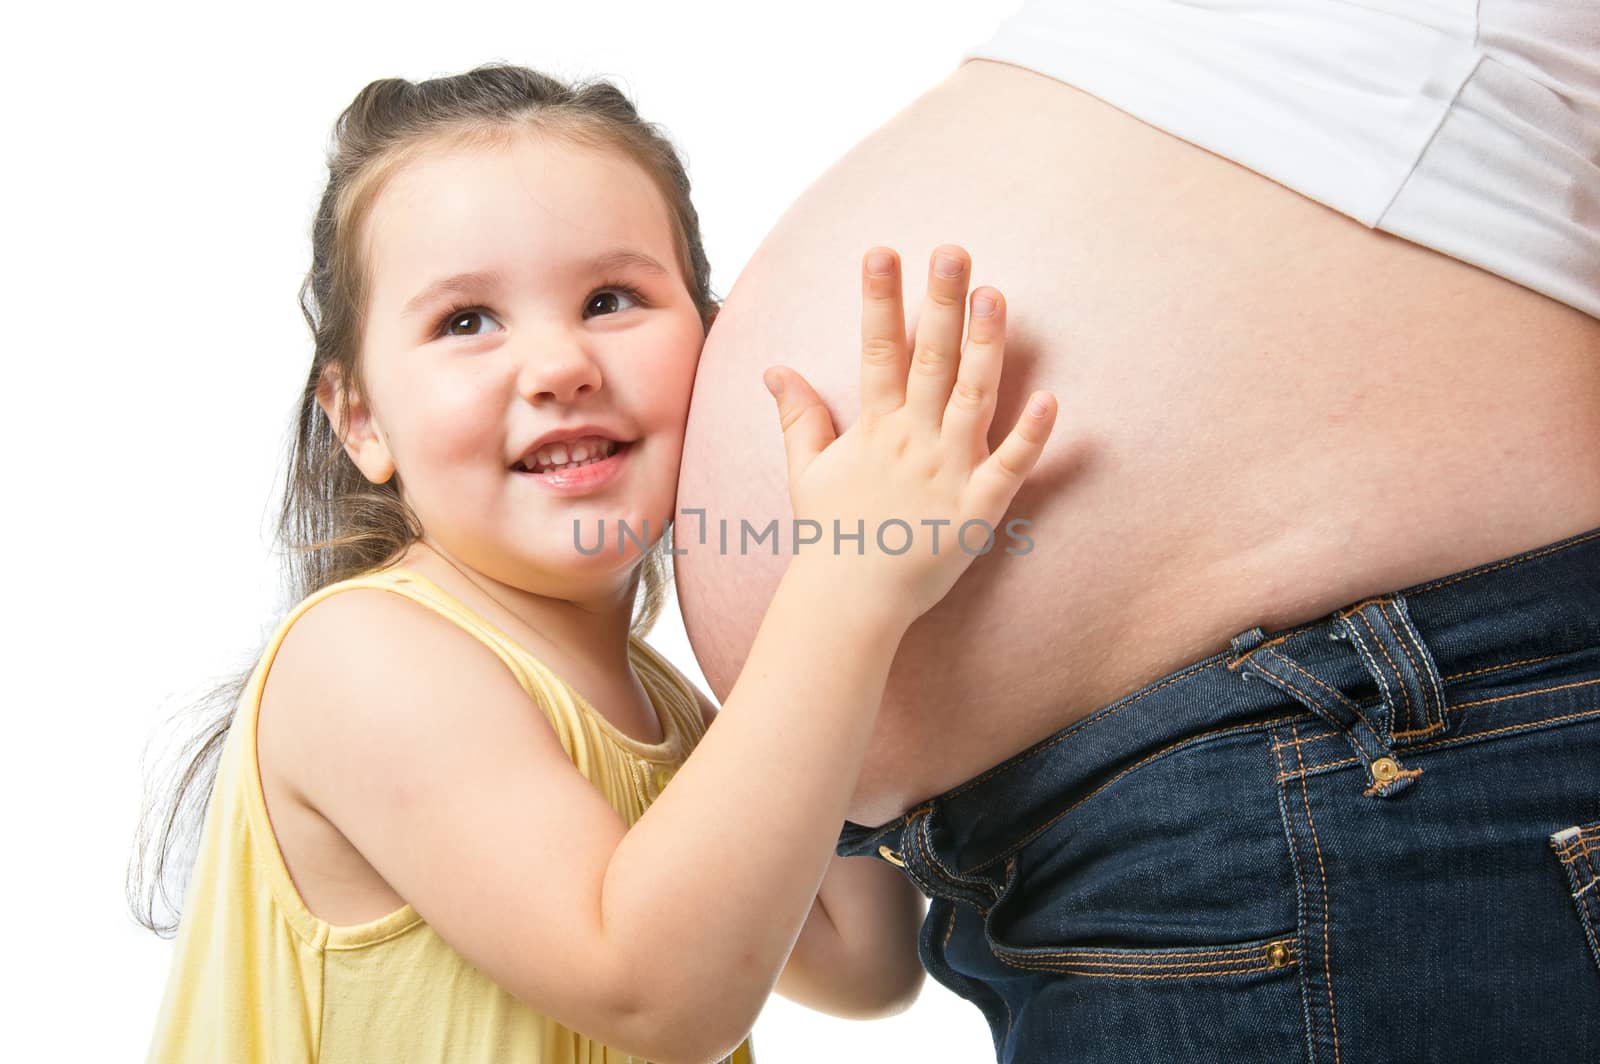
[[256, 977]]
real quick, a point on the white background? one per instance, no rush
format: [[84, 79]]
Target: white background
[[162, 165]]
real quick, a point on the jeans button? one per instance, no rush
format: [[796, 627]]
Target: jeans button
[[890, 856], [1385, 769]]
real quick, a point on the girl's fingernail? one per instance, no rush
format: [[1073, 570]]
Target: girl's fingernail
[[774, 383], [1039, 407], [879, 263], [983, 306]]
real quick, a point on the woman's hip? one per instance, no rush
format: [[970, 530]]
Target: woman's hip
[[1372, 836]]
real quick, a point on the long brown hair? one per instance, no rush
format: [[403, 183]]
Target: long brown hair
[[333, 523]]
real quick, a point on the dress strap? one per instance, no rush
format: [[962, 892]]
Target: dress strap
[[564, 706]]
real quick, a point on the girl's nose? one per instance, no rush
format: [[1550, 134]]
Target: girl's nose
[[557, 368]]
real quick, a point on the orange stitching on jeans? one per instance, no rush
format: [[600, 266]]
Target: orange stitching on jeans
[[1404, 775], [1399, 680], [1145, 975], [1322, 871], [1472, 573], [1496, 668], [1234, 663], [1434, 682], [950, 929], [1294, 855], [1429, 730], [1508, 728], [1113, 967], [1309, 769], [1524, 694], [1579, 845], [1358, 607], [1291, 743], [1169, 959], [1580, 836], [1042, 828], [1454, 740], [1400, 636], [1283, 777]]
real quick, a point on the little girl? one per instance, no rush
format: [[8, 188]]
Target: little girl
[[441, 826]]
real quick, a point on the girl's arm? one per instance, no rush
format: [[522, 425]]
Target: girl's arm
[[856, 956], [664, 939], [857, 953]]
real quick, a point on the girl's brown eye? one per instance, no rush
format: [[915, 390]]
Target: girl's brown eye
[[460, 323], [606, 302]]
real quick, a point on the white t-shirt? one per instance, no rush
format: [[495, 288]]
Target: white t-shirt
[[1469, 126]]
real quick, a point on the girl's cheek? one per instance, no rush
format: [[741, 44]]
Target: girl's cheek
[[456, 426]]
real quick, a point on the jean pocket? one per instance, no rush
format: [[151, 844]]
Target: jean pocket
[[1161, 876], [1192, 960], [1238, 959], [1577, 848]]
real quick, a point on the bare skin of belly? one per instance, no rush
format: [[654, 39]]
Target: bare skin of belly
[[1267, 411]]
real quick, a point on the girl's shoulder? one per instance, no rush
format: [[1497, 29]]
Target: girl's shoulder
[[348, 658], [377, 613], [357, 625]]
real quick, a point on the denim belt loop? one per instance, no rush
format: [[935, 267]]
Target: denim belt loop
[[1380, 632], [1399, 660]]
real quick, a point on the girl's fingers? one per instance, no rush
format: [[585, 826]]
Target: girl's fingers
[[883, 334], [807, 426], [938, 347], [971, 407], [997, 480]]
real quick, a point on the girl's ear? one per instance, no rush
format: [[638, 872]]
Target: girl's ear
[[362, 438]]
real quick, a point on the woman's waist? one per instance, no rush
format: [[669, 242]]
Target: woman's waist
[[1128, 581], [1382, 691]]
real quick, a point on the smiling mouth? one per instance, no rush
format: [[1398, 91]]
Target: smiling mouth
[[537, 467]]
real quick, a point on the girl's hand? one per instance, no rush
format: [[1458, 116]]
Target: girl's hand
[[915, 467]]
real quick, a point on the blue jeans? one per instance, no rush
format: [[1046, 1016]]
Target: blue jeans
[[1373, 837]]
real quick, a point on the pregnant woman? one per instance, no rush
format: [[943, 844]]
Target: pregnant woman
[[1283, 739]]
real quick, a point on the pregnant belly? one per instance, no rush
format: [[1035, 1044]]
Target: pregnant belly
[[1267, 411]]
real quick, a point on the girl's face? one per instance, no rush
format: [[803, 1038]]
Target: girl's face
[[519, 291]]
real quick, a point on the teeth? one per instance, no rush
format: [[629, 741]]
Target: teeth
[[570, 455]]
